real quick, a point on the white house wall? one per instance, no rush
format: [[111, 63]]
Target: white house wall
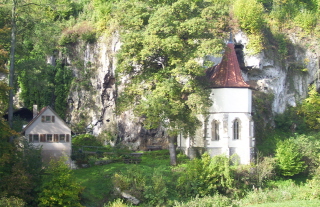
[[51, 149]]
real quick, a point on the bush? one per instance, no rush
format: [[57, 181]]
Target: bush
[[11, 202], [117, 203], [307, 20], [156, 192], [83, 31], [132, 181], [289, 158], [250, 15], [310, 108], [58, 186], [285, 191], [290, 121], [309, 147], [207, 201], [205, 176], [85, 140]]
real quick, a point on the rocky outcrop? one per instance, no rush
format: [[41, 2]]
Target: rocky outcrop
[[287, 79], [93, 95]]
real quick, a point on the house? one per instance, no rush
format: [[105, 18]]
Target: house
[[48, 130], [227, 128]]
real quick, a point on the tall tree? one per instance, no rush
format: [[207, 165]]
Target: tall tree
[[28, 18], [164, 45], [4, 54], [12, 60]]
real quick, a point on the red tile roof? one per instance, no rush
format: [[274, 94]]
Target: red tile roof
[[227, 73]]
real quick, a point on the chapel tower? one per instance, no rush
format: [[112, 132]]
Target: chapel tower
[[227, 126]]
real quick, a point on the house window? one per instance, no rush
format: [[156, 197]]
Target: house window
[[36, 138], [236, 129], [215, 130], [49, 137], [48, 119], [30, 138], [62, 137], [42, 138], [56, 138], [68, 138]]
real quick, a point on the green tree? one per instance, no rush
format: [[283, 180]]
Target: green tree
[[289, 158], [4, 55], [58, 187], [310, 108], [163, 45]]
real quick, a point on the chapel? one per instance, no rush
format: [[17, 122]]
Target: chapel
[[227, 128]]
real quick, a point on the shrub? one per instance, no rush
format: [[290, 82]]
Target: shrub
[[282, 43], [312, 190], [309, 147], [310, 108], [289, 158], [85, 140], [58, 186], [117, 203], [285, 191], [249, 14], [83, 31], [207, 201], [264, 170], [156, 193], [132, 181], [290, 121], [307, 20], [255, 44], [11, 202], [205, 176]]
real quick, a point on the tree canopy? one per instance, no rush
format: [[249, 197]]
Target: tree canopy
[[164, 49]]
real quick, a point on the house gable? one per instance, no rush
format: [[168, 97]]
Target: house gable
[[47, 122]]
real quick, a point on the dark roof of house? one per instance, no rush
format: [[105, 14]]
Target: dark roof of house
[[227, 73], [39, 115]]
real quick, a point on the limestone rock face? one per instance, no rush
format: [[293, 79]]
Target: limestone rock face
[[288, 80], [93, 95]]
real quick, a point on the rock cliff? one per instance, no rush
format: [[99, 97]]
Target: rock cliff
[[93, 96]]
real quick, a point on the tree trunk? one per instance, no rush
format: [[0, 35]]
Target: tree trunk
[[11, 70], [172, 150]]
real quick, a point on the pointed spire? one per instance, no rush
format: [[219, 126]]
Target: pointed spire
[[227, 73]]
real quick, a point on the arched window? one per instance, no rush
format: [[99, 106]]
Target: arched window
[[236, 129], [215, 130]]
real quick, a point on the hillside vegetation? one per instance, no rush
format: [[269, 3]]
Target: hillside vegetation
[[162, 43]]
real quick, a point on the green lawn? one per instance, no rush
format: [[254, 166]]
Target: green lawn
[[98, 187], [97, 181], [293, 203]]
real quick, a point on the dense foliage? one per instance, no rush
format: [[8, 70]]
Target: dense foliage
[[289, 158], [160, 49], [58, 186], [163, 42], [206, 176]]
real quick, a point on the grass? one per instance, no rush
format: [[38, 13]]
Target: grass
[[293, 203], [98, 187], [97, 180]]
